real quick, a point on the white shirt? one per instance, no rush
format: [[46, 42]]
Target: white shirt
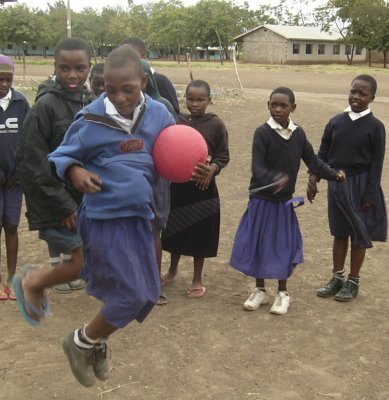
[[285, 133], [354, 116], [4, 102], [125, 123]]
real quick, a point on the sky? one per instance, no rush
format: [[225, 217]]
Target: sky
[[78, 5]]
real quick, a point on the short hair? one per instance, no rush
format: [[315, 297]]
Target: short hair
[[124, 56], [97, 69], [73, 43], [198, 83], [284, 90], [136, 42], [368, 79]]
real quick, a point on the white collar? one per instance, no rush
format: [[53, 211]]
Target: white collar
[[125, 123], [354, 116], [286, 133], [4, 102]]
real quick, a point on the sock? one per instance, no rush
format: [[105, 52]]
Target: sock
[[66, 257], [354, 279], [339, 274], [82, 341], [55, 260]]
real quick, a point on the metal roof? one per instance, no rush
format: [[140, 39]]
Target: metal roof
[[297, 32]]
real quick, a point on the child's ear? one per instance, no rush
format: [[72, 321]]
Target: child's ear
[[294, 106], [372, 99]]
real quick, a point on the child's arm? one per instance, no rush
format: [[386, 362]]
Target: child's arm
[[377, 148], [69, 160], [36, 174]]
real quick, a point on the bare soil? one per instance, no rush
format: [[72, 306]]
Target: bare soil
[[210, 348]]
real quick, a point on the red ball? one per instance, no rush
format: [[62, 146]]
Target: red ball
[[177, 150]]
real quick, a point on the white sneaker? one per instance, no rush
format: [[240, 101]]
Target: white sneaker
[[256, 298], [281, 303]]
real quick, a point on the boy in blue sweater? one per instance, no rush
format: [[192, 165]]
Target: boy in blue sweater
[[13, 110], [107, 155]]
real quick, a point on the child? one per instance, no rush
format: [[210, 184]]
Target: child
[[197, 201], [51, 205], [96, 79], [355, 142], [107, 155], [161, 203], [13, 110], [268, 243], [162, 83]]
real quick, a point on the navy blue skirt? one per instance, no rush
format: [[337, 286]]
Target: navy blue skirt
[[345, 214], [120, 266], [268, 242]]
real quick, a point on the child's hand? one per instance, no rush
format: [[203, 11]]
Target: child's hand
[[203, 174], [83, 180], [340, 176], [70, 222], [281, 182], [312, 188]]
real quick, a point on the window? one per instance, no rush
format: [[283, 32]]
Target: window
[[358, 52], [336, 49], [9, 46], [33, 47], [296, 48], [347, 50], [308, 49], [321, 49]]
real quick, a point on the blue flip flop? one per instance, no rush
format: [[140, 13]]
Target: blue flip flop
[[24, 306]]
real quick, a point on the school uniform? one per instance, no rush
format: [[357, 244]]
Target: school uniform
[[355, 142], [268, 242], [120, 263]]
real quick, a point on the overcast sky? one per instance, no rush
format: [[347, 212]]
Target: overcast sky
[[78, 5]]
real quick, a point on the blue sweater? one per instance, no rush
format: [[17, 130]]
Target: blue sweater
[[123, 160], [11, 123]]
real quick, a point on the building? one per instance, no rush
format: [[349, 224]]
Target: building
[[277, 44]]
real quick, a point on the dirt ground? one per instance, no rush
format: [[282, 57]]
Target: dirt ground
[[211, 348]]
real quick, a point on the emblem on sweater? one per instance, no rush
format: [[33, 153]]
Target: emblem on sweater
[[132, 145]]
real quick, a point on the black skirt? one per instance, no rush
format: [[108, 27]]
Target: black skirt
[[194, 221]]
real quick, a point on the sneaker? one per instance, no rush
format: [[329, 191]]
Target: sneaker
[[77, 284], [256, 298], [332, 287], [100, 364], [281, 303], [62, 288], [348, 292], [81, 361]]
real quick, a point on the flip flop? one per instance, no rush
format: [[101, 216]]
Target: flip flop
[[24, 306], [3, 294], [194, 293], [10, 293]]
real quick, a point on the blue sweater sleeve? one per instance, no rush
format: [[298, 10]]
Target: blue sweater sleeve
[[70, 152]]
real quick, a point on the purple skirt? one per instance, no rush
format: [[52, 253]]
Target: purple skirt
[[268, 242], [120, 266]]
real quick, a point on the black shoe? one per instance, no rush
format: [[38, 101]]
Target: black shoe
[[100, 364], [332, 287], [348, 292]]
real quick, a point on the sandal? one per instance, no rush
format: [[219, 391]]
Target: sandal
[[10, 293], [3, 294], [194, 293], [31, 313]]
